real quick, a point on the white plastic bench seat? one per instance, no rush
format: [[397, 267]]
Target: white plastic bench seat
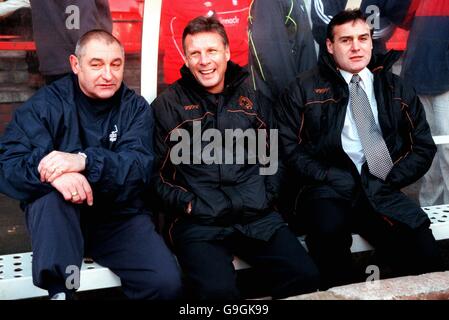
[[16, 281], [439, 216], [15, 269]]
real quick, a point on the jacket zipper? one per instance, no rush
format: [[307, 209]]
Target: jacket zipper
[[219, 110]]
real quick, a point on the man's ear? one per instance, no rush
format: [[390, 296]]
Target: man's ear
[[329, 46], [227, 53], [74, 64]]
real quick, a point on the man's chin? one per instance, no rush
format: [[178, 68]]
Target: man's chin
[[105, 93], [209, 84]]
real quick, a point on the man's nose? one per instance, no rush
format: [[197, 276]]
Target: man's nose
[[355, 45], [204, 58], [106, 74]]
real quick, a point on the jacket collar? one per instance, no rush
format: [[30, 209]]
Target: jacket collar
[[234, 77], [66, 88]]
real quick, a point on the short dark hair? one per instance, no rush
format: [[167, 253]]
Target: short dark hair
[[342, 18], [204, 24], [97, 34]]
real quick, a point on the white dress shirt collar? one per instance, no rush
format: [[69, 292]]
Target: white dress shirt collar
[[365, 75]]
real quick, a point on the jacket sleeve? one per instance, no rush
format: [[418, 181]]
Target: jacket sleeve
[[295, 146], [26, 141], [174, 197], [415, 162], [125, 171]]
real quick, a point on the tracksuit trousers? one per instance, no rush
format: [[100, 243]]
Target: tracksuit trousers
[[63, 233]]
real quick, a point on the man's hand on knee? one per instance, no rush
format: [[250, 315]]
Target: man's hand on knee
[[57, 163], [74, 187]]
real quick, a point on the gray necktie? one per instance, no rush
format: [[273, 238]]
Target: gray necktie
[[374, 147]]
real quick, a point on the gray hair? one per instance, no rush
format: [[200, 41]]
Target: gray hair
[[96, 34]]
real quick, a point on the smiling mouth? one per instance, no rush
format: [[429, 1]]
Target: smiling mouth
[[207, 72]]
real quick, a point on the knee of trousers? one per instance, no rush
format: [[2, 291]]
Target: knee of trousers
[[152, 285], [51, 209], [56, 235], [52, 200]]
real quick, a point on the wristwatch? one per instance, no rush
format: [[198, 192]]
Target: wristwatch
[[85, 158], [189, 207]]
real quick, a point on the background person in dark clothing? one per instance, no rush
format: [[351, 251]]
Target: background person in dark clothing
[[281, 44], [281, 47], [325, 143], [57, 26], [222, 209], [79, 156], [391, 14]]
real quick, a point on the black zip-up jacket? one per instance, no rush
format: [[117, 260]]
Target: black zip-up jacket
[[117, 141], [311, 117], [222, 195]]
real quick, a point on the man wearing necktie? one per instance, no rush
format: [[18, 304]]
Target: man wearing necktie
[[356, 134]]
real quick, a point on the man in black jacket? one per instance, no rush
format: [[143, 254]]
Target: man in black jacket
[[221, 205], [351, 183], [79, 156]]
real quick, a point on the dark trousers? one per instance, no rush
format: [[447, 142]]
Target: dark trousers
[[210, 274], [62, 233], [330, 222]]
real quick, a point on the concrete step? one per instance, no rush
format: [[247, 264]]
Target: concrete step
[[16, 77], [10, 93], [12, 54], [430, 286], [13, 64]]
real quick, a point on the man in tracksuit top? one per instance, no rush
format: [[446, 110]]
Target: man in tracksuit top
[[79, 156], [344, 191], [221, 208]]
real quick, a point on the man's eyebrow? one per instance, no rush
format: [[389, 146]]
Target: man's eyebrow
[[101, 60], [95, 60], [352, 36]]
